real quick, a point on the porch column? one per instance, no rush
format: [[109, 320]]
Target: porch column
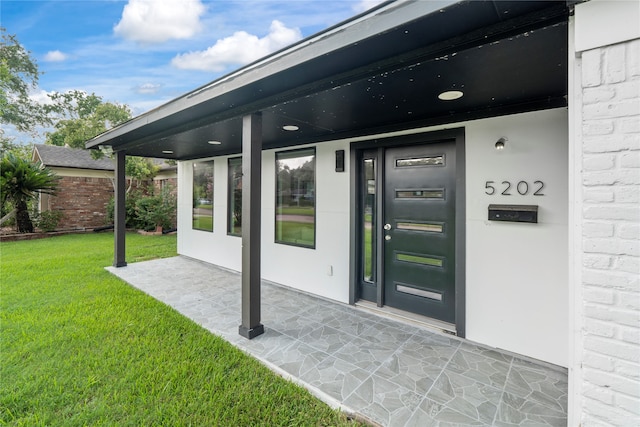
[[251, 204], [119, 212]]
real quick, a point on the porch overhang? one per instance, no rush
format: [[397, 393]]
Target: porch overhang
[[380, 71]]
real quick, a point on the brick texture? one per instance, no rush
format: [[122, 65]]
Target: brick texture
[[82, 201], [611, 236]]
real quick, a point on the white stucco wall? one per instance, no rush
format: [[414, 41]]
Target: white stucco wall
[[516, 273], [516, 276], [322, 271]]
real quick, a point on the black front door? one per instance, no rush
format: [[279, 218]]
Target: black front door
[[418, 229]]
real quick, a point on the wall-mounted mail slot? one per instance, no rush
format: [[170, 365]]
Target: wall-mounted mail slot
[[513, 213]]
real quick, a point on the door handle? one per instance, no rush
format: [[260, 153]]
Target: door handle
[[387, 227]]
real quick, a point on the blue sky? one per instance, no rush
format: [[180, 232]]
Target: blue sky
[[144, 53]]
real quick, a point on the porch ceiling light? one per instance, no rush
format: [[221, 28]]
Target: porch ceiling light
[[500, 144], [167, 151], [212, 142], [290, 128], [450, 95]]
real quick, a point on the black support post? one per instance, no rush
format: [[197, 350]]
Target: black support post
[[119, 214], [251, 204]]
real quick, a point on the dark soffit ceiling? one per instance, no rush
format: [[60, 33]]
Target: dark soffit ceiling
[[506, 56]]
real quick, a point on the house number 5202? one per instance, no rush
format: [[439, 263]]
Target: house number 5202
[[508, 189]]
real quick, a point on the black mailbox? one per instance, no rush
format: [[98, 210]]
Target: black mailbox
[[513, 213]]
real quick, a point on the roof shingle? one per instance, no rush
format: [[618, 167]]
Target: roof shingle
[[53, 155]]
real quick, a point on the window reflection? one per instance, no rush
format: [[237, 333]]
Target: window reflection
[[295, 197], [234, 214], [202, 218], [368, 212]]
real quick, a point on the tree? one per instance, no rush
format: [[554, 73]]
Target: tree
[[83, 116], [21, 181], [18, 76]]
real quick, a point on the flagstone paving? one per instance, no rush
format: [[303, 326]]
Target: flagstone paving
[[390, 372]]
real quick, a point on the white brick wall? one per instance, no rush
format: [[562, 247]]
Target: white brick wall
[[611, 235]]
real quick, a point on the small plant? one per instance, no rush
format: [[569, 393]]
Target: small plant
[[48, 220]]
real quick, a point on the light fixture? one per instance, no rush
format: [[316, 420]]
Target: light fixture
[[167, 151], [450, 95], [290, 128], [500, 144], [212, 142]]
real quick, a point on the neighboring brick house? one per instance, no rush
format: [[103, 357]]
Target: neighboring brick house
[[86, 185]]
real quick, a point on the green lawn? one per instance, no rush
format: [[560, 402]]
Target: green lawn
[[202, 222], [296, 210], [298, 233], [80, 347]]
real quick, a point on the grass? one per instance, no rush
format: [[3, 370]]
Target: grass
[[81, 347], [299, 233], [296, 210], [202, 222]]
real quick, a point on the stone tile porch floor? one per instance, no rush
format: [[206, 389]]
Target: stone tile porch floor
[[391, 372]]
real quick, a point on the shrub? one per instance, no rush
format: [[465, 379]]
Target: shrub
[[131, 217], [157, 211], [146, 212], [47, 220]]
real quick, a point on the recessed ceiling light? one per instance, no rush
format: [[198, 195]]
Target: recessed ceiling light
[[450, 95], [214, 142], [290, 127], [167, 151]]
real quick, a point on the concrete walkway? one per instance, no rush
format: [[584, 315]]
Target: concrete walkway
[[393, 373]]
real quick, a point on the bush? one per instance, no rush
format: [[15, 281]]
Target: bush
[[146, 212], [47, 220], [131, 217]]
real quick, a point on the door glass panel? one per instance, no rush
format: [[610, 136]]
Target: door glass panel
[[419, 259], [424, 193], [420, 161], [416, 226], [369, 226]]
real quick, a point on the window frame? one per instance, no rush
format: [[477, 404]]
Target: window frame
[[292, 154], [193, 177], [231, 196]]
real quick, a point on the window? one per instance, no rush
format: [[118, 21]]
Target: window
[[203, 196], [234, 212], [369, 220], [296, 198]]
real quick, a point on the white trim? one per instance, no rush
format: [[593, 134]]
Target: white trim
[[575, 231], [82, 173], [605, 22]]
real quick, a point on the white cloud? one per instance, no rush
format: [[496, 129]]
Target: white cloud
[[363, 5], [42, 97], [239, 49], [156, 21], [55, 56], [148, 88]]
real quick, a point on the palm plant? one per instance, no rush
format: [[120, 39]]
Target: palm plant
[[21, 181]]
